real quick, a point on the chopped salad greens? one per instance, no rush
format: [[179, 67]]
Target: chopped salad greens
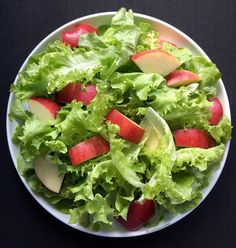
[[108, 163]]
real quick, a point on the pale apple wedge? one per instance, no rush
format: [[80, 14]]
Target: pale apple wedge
[[48, 174], [182, 77], [156, 61], [43, 108]]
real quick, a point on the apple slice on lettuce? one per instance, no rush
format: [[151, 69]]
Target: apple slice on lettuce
[[43, 108], [181, 78], [128, 129], [156, 61]]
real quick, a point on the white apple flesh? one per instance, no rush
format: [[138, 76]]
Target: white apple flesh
[[43, 108], [156, 61], [48, 174]]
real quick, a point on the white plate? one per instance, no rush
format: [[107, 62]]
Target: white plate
[[167, 32]]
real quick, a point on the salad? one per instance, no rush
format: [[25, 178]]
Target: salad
[[116, 124]]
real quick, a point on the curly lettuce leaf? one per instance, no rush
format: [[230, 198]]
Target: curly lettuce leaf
[[77, 124], [140, 83], [148, 38], [18, 112], [54, 70], [123, 161], [222, 131], [182, 105], [181, 53], [175, 181], [197, 157], [51, 70], [207, 71]]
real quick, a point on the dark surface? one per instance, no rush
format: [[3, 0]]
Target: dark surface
[[23, 24]]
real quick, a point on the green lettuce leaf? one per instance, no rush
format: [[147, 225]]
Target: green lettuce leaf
[[183, 54], [197, 157], [222, 131], [54, 68], [123, 162], [180, 106], [140, 83], [18, 112], [148, 38], [207, 71]]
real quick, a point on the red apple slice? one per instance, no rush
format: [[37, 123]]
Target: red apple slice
[[138, 214], [48, 174], [216, 111], [129, 130], [193, 137], [88, 149], [74, 91], [156, 61], [162, 41], [182, 77], [43, 108], [71, 37]]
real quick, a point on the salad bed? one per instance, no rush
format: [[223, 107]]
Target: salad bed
[[118, 132]]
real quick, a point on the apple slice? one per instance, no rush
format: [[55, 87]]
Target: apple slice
[[182, 77], [138, 214], [129, 130], [88, 149], [216, 111], [43, 108], [74, 91], [71, 37], [156, 61], [193, 137], [48, 174]]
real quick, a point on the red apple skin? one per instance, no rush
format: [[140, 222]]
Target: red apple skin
[[129, 130], [88, 149], [71, 37], [193, 137], [182, 77], [49, 104], [138, 214], [162, 41], [67, 94], [140, 54], [216, 111], [74, 91]]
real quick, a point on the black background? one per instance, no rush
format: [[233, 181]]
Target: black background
[[23, 24]]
